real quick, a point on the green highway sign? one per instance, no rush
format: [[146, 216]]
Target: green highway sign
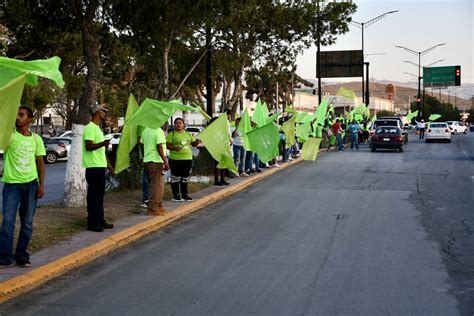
[[442, 76]]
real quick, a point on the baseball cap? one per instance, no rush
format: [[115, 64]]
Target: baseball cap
[[95, 108]]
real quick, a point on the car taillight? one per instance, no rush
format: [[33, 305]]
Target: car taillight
[[429, 130], [62, 145]]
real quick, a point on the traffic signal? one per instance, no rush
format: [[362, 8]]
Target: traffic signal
[[418, 100], [457, 75]]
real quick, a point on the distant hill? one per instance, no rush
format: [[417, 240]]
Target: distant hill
[[404, 92]]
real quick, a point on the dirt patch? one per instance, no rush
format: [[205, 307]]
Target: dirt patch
[[55, 223]]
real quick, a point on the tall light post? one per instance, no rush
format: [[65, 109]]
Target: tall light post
[[419, 54], [363, 25]]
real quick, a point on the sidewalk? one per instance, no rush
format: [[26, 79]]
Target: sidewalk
[[87, 246]]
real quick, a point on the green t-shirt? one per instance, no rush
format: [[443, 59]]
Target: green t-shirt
[[20, 158], [150, 139], [93, 158], [184, 140]]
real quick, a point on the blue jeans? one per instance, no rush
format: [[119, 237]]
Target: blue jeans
[[250, 159], [145, 180], [340, 146], [22, 197], [239, 157], [354, 140]]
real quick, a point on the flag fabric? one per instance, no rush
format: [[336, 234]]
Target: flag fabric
[[303, 117], [245, 126], [332, 140], [47, 68], [434, 117], [260, 114], [320, 113], [202, 112], [346, 93], [374, 118], [128, 138], [358, 117], [273, 117], [310, 149], [302, 131], [289, 110], [10, 97], [216, 138], [411, 115], [265, 141], [288, 129], [155, 113]]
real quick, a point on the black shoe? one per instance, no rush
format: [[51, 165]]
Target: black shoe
[[177, 198], [187, 198], [218, 183], [259, 171], [5, 265], [225, 183], [97, 229], [23, 263], [106, 225]]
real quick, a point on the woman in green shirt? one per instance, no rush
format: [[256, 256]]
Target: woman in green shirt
[[179, 143]]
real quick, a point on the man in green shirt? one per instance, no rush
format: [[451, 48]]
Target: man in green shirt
[[24, 166], [94, 159], [155, 162]]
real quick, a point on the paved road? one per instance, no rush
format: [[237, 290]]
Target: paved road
[[54, 183], [356, 233]]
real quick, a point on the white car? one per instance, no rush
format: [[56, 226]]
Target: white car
[[66, 134], [438, 131], [457, 127]]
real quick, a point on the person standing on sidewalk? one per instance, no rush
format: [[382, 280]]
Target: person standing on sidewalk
[[238, 148], [353, 129], [179, 143], [94, 160], [336, 130], [24, 166], [156, 163]]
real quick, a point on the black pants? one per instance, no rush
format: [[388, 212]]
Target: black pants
[[95, 178], [180, 171]]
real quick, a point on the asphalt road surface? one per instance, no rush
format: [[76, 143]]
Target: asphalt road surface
[[356, 233], [54, 183]]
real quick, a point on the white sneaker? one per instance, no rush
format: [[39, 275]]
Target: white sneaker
[[291, 159], [276, 165], [243, 174]]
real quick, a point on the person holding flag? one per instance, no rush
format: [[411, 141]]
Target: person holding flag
[[337, 130], [24, 167]]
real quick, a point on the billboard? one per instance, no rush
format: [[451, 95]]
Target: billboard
[[343, 63]]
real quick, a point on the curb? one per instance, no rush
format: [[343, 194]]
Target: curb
[[35, 278]]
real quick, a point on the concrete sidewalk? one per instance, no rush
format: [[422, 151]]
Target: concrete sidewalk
[[87, 246]]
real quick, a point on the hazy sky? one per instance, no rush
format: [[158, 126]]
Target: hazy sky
[[419, 24]]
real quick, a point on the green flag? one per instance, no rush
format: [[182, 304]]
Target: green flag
[[216, 138], [265, 141], [289, 110], [303, 117], [47, 68], [273, 117], [289, 129], [434, 117], [245, 127], [346, 93], [374, 118], [10, 97], [128, 139], [310, 148], [155, 113], [411, 115], [320, 113], [260, 114], [302, 131], [202, 112]]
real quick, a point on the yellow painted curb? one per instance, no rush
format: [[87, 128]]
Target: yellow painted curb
[[32, 279]]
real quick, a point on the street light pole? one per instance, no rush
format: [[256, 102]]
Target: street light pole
[[362, 25], [419, 54]]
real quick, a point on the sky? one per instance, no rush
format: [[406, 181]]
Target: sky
[[418, 25]]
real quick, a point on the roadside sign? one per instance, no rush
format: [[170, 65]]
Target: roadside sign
[[343, 63], [442, 76]]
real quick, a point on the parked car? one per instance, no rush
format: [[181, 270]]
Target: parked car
[[457, 127], [66, 141], [66, 134], [438, 131], [392, 122], [195, 130], [389, 137], [55, 149]]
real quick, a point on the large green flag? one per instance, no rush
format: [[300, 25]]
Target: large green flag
[[310, 148], [302, 131], [265, 141], [128, 139], [155, 113], [47, 68], [202, 112], [346, 93], [245, 126], [411, 115], [216, 138], [260, 114], [320, 113], [434, 117], [10, 97], [289, 129]]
